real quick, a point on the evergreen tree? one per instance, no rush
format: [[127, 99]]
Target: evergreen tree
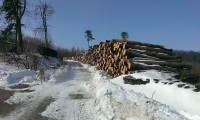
[[14, 11], [89, 36], [124, 35]]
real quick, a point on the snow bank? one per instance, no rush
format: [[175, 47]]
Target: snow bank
[[116, 102], [4, 71], [21, 76], [185, 101], [11, 74]]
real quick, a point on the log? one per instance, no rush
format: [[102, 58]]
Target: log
[[120, 57], [132, 46], [148, 45], [132, 54], [154, 55], [136, 66], [168, 64]]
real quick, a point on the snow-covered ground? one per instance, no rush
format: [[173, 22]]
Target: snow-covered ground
[[184, 101], [79, 92], [70, 99]]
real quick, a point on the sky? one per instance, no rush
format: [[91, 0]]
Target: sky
[[172, 23]]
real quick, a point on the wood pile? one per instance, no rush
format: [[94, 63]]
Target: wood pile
[[118, 57]]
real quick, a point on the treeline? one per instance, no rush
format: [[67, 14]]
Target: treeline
[[33, 45], [190, 57], [33, 50], [68, 53]]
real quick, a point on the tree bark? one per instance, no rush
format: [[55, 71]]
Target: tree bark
[[44, 19], [19, 35], [19, 15], [46, 33]]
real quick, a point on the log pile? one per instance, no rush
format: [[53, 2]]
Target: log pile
[[118, 57]]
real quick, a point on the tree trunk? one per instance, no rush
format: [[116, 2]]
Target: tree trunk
[[19, 35], [45, 27], [46, 35]]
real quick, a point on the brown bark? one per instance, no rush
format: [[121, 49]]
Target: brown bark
[[114, 58]]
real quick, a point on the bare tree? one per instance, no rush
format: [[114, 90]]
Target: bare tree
[[44, 11]]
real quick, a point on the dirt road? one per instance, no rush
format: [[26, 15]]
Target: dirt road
[[62, 97]]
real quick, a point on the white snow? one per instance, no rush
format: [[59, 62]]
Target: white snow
[[137, 50], [162, 53], [104, 98], [185, 101], [145, 64], [117, 102]]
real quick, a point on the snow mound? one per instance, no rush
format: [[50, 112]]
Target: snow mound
[[185, 101], [116, 102], [10, 74], [21, 76]]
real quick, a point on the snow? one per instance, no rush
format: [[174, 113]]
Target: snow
[[185, 101], [62, 82], [144, 64], [137, 50], [156, 48], [103, 97], [10, 74], [21, 76], [162, 54], [116, 102]]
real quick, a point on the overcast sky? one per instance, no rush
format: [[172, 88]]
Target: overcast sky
[[172, 23]]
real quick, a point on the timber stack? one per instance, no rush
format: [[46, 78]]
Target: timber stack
[[118, 57]]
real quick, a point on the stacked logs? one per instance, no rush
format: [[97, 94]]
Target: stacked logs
[[118, 57]]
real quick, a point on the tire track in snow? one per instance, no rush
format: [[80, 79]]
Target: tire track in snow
[[73, 103], [64, 81]]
